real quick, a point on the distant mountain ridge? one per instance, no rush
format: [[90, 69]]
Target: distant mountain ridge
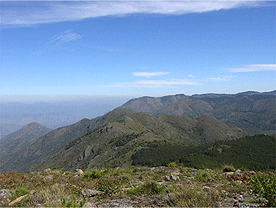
[[251, 110]]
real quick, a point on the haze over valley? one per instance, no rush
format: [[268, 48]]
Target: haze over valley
[[53, 114]]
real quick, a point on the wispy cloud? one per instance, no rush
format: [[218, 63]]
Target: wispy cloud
[[31, 13], [64, 37], [160, 83], [149, 74], [255, 68], [154, 83], [220, 79], [56, 41]]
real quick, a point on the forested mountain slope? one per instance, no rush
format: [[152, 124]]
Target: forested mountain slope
[[251, 110], [126, 132]]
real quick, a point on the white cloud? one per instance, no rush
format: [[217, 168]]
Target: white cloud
[[155, 83], [30, 13], [220, 79], [165, 83], [149, 74], [255, 68], [190, 75], [64, 37]]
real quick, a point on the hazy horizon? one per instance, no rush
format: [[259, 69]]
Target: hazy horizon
[[53, 114], [56, 111], [90, 98]]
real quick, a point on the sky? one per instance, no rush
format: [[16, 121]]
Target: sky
[[66, 50]]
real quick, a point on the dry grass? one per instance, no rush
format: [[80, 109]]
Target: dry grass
[[57, 188]]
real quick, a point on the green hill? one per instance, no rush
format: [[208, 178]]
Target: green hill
[[28, 131], [15, 144], [126, 132], [20, 153]]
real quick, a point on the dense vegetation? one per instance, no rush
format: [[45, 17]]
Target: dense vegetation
[[265, 185], [251, 152]]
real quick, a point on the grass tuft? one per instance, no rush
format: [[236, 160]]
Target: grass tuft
[[148, 188]]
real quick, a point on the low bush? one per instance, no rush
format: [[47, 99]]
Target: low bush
[[172, 164], [264, 185], [228, 168], [109, 186], [19, 191], [93, 173], [149, 188], [203, 175], [119, 171]]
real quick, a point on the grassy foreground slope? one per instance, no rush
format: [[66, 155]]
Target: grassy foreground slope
[[138, 187]]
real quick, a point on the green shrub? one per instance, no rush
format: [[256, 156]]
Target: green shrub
[[119, 171], [19, 191], [265, 186], [172, 164], [203, 175], [149, 188], [109, 186], [93, 173], [105, 170]]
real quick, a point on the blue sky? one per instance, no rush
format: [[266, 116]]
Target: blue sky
[[138, 48]]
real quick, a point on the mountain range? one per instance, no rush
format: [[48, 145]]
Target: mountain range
[[126, 132], [251, 111], [113, 139]]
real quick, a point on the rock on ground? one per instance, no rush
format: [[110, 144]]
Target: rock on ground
[[4, 195], [91, 193], [79, 172]]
